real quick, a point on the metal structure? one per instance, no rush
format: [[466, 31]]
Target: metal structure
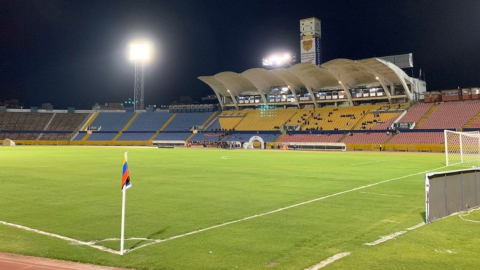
[[447, 193], [307, 81], [138, 88], [139, 53]]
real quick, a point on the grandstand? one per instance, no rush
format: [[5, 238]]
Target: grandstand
[[359, 127], [452, 115]]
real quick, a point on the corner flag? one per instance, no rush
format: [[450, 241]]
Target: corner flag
[[125, 185], [126, 173]]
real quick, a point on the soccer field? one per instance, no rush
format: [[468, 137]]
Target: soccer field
[[223, 209]]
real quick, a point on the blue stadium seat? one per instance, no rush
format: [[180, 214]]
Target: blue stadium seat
[[80, 136], [112, 121], [98, 136], [184, 121], [149, 121]]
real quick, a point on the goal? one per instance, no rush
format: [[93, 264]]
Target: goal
[[462, 148]]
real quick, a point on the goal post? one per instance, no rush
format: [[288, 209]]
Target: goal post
[[462, 148]]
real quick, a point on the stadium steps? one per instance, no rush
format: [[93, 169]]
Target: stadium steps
[[343, 137], [211, 123], [359, 121], [126, 126], [209, 118], [425, 117], [46, 126], [94, 116], [279, 137], [163, 127], [389, 139], [471, 121], [239, 122], [205, 124], [189, 137]]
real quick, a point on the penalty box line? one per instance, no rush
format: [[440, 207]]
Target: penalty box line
[[277, 210], [92, 244]]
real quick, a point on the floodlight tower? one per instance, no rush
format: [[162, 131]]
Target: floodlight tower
[[140, 54]]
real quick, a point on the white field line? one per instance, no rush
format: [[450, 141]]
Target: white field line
[[155, 241], [355, 164], [71, 240], [385, 238], [329, 261], [118, 239], [393, 235], [461, 215], [278, 210], [416, 226], [381, 194]]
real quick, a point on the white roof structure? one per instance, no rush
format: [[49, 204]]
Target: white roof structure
[[337, 74]]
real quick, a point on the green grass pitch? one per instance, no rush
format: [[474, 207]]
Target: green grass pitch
[[75, 192]]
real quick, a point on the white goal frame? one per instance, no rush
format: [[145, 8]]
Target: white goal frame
[[462, 148]]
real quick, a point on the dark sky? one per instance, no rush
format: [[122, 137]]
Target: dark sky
[[74, 53]]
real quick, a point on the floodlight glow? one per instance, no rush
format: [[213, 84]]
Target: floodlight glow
[[281, 59], [139, 52]]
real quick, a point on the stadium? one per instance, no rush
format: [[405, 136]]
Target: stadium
[[343, 164]]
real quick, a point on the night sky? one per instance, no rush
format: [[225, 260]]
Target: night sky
[[74, 53]]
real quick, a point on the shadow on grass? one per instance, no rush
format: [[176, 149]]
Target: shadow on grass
[[151, 236], [423, 215]]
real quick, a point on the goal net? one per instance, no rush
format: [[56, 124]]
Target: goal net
[[462, 148]]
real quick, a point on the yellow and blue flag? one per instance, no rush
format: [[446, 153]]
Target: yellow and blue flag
[[126, 173]]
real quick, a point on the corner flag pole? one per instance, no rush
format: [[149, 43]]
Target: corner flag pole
[[122, 238], [125, 185]]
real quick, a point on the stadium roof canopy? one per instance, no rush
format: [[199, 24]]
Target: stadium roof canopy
[[335, 75]]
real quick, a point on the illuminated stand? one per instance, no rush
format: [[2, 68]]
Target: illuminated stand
[[139, 53], [310, 41]]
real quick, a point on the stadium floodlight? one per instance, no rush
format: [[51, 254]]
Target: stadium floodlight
[[279, 60], [139, 53]]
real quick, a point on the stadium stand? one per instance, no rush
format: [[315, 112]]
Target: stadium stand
[[79, 136], [265, 119], [24, 121], [228, 123], [102, 136], [66, 121], [418, 138], [377, 121], [476, 123], [112, 121], [342, 118], [150, 121], [415, 113], [184, 121], [452, 115], [214, 126], [310, 138], [367, 138]]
